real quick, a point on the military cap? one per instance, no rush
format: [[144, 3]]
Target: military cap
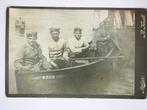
[[107, 22], [77, 29], [31, 34], [52, 29]]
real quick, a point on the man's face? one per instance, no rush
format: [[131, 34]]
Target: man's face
[[55, 35], [78, 35], [31, 40]]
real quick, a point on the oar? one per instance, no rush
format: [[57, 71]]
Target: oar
[[95, 58]]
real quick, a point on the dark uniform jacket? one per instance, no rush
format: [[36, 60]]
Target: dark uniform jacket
[[31, 58]]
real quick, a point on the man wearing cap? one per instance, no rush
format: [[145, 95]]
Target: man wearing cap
[[30, 56], [77, 45], [58, 54], [106, 38]]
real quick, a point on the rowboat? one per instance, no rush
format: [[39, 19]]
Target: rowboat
[[49, 81], [60, 81]]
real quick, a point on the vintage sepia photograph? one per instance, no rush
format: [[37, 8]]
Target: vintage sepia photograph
[[71, 52]]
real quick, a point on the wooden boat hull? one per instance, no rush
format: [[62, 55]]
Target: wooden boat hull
[[66, 80]]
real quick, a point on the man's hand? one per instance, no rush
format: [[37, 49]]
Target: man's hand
[[84, 49], [66, 58], [35, 68], [53, 64]]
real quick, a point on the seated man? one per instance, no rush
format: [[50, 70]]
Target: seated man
[[58, 54], [30, 56], [106, 39], [77, 46]]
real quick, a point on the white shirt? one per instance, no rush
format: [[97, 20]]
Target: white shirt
[[76, 46]]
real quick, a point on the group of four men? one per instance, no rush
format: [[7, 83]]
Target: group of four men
[[31, 57]]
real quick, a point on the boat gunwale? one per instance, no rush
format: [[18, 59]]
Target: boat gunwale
[[64, 69], [74, 67]]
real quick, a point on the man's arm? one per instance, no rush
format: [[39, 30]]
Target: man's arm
[[18, 63], [51, 62], [86, 44], [72, 48], [42, 60], [65, 51]]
